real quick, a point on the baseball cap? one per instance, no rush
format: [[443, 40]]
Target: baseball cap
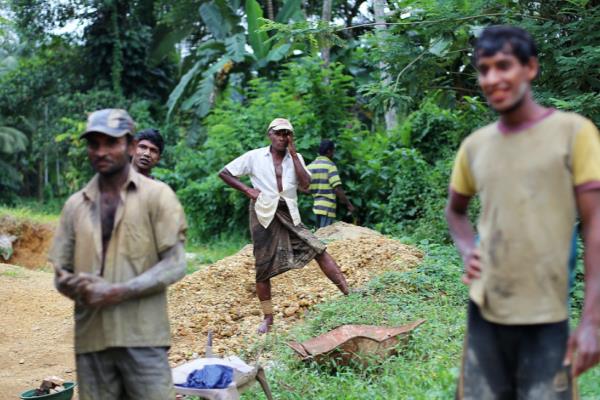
[[110, 121], [280, 123]]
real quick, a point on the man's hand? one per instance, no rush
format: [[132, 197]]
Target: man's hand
[[94, 291], [292, 145], [583, 348], [302, 174], [252, 193], [351, 208], [472, 262], [68, 283], [88, 289], [102, 294], [86, 279]]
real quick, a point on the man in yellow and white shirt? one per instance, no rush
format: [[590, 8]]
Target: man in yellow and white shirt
[[534, 170]]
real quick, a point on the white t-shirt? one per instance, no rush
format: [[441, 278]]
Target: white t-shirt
[[258, 164]]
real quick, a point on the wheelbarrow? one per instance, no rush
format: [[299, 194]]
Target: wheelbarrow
[[244, 376], [358, 343]]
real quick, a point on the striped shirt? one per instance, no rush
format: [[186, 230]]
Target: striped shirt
[[324, 179]]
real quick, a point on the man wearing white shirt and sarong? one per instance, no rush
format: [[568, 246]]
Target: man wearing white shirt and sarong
[[281, 242]]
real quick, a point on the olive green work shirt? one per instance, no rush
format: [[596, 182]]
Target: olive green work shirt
[[148, 221]]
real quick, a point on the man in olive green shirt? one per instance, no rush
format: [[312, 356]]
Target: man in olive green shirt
[[118, 246]]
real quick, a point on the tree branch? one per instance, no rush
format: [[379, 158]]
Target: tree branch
[[408, 66], [436, 21]]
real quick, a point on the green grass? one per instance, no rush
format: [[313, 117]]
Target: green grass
[[31, 213], [12, 274], [51, 206], [212, 251], [426, 369], [589, 384]]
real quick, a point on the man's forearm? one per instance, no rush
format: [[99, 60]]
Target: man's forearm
[[168, 270], [462, 231], [301, 174], [583, 347], [591, 306], [66, 282], [62, 288], [339, 192], [460, 227], [232, 181]]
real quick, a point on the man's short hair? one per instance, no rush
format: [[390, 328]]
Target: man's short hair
[[153, 136], [498, 38], [326, 146]]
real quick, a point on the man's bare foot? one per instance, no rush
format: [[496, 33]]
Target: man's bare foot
[[265, 325]]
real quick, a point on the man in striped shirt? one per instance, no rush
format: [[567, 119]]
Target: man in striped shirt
[[326, 185]]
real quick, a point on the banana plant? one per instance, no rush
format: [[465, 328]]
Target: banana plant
[[12, 142], [232, 47]]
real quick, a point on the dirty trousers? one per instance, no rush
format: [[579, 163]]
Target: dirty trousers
[[282, 245], [125, 373], [514, 362]]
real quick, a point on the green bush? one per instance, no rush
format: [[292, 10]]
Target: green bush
[[396, 179], [432, 130], [409, 189], [76, 168], [315, 99]]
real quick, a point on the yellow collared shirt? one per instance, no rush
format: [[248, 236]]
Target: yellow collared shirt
[[148, 221]]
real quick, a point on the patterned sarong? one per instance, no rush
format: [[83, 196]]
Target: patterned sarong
[[282, 246]]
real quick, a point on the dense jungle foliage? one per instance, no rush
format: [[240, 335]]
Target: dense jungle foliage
[[390, 82]]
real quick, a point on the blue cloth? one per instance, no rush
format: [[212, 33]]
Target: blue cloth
[[573, 257], [210, 377]]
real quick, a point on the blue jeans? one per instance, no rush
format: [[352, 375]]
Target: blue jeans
[[323, 221]]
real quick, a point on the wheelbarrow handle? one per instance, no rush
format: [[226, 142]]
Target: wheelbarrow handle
[[262, 379]]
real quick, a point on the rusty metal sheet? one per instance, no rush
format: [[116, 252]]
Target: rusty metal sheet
[[354, 342]]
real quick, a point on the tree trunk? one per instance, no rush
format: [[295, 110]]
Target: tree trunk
[[390, 114], [58, 177], [326, 17], [40, 181], [117, 55]]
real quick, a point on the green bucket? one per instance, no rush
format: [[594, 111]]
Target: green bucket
[[66, 394]]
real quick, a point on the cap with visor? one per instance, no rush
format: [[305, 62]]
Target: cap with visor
[[110, 121], [279, 124]]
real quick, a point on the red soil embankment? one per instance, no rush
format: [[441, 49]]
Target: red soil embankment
[[30, 249]]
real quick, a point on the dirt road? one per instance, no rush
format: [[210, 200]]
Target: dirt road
[[36, 331]]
